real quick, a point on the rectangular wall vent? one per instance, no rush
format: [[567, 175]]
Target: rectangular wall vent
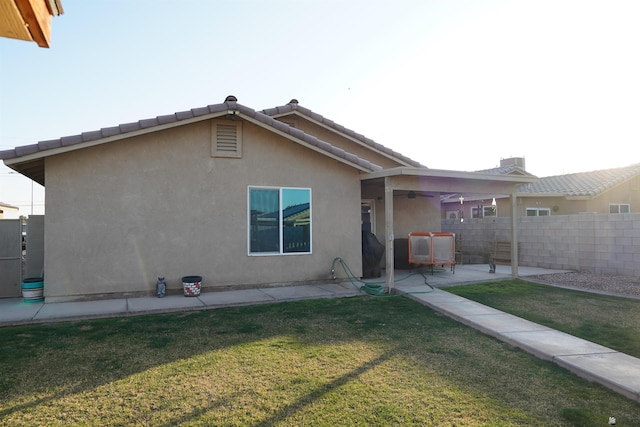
[[227, 139]]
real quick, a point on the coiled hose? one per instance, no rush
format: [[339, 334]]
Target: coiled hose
[[376, 289]]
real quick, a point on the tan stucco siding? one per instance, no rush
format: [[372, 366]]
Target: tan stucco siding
[[121, 214], [625, 193], [418, 214]]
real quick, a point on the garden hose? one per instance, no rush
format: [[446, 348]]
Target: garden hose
[[375, 289]]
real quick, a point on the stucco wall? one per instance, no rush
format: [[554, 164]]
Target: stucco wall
[[121, 214], [419, 214], [338, 140], [597, 243]]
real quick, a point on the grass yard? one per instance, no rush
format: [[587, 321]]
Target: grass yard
[[610, 321], [337, 362]]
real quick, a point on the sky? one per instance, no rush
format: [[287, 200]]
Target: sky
[[457, 84]]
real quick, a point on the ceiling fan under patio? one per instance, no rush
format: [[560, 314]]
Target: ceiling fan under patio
[[411, 194]]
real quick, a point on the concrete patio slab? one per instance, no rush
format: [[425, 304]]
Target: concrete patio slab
[[87, 309], [15, 310], [230, 298], [297, 292], [168, 303], [340, 289]]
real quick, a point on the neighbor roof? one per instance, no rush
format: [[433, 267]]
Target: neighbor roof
[[582, 184], [29, 159], [575, 185], [506, 170]]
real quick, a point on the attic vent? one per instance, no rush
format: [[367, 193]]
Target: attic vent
[[226, 139]]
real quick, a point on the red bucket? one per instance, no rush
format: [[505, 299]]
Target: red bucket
[[191, 285]]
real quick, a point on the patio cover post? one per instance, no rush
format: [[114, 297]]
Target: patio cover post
[[388, 227], [514, 235]]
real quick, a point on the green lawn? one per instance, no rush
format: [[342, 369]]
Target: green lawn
[[358, 361], [610, 321]]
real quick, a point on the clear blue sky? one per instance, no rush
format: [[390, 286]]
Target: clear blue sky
[[453, 84]]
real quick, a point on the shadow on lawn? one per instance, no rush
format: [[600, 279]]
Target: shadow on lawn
[[75, 357], [288, 410]]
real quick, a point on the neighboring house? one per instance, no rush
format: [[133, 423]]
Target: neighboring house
[[607, 191], [244, 198], [28, 20], [5, 209]]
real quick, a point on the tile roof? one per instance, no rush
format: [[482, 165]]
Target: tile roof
[[203, 113], [293, 107], [582, 184], [506, 170]]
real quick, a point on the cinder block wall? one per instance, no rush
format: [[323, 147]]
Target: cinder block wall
[[597, 243]]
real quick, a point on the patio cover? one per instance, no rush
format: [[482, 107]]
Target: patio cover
[[443, 182]]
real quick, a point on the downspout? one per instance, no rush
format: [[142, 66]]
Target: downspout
[[514, 235], [388, 228]]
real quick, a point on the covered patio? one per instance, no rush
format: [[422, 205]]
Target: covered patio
[[435, 183]]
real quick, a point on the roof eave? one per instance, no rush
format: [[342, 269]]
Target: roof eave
[[29, 160], [59, 146], [442, 173]]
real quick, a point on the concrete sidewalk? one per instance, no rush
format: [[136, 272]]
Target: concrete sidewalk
[[13, 311], [613, 369], [594, 362]]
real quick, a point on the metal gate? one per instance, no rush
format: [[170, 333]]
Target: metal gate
[[10, 257]]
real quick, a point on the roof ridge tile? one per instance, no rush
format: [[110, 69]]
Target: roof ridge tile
[[70, 140]]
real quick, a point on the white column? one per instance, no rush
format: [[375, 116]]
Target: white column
[[388, 228], [514, 235]]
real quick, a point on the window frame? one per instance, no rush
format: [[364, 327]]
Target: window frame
[[281, 209], [480, 211], [618, 206], [491, 208], [537, 211]]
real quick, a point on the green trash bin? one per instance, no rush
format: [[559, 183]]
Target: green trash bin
[[33, 289]]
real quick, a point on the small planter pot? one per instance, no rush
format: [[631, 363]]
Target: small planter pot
[[33, 289], [191, 285]]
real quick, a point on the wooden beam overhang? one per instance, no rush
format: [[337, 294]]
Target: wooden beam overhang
[[28, 20]]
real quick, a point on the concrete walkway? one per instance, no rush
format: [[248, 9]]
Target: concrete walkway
[[594, 362], [615, 370]]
